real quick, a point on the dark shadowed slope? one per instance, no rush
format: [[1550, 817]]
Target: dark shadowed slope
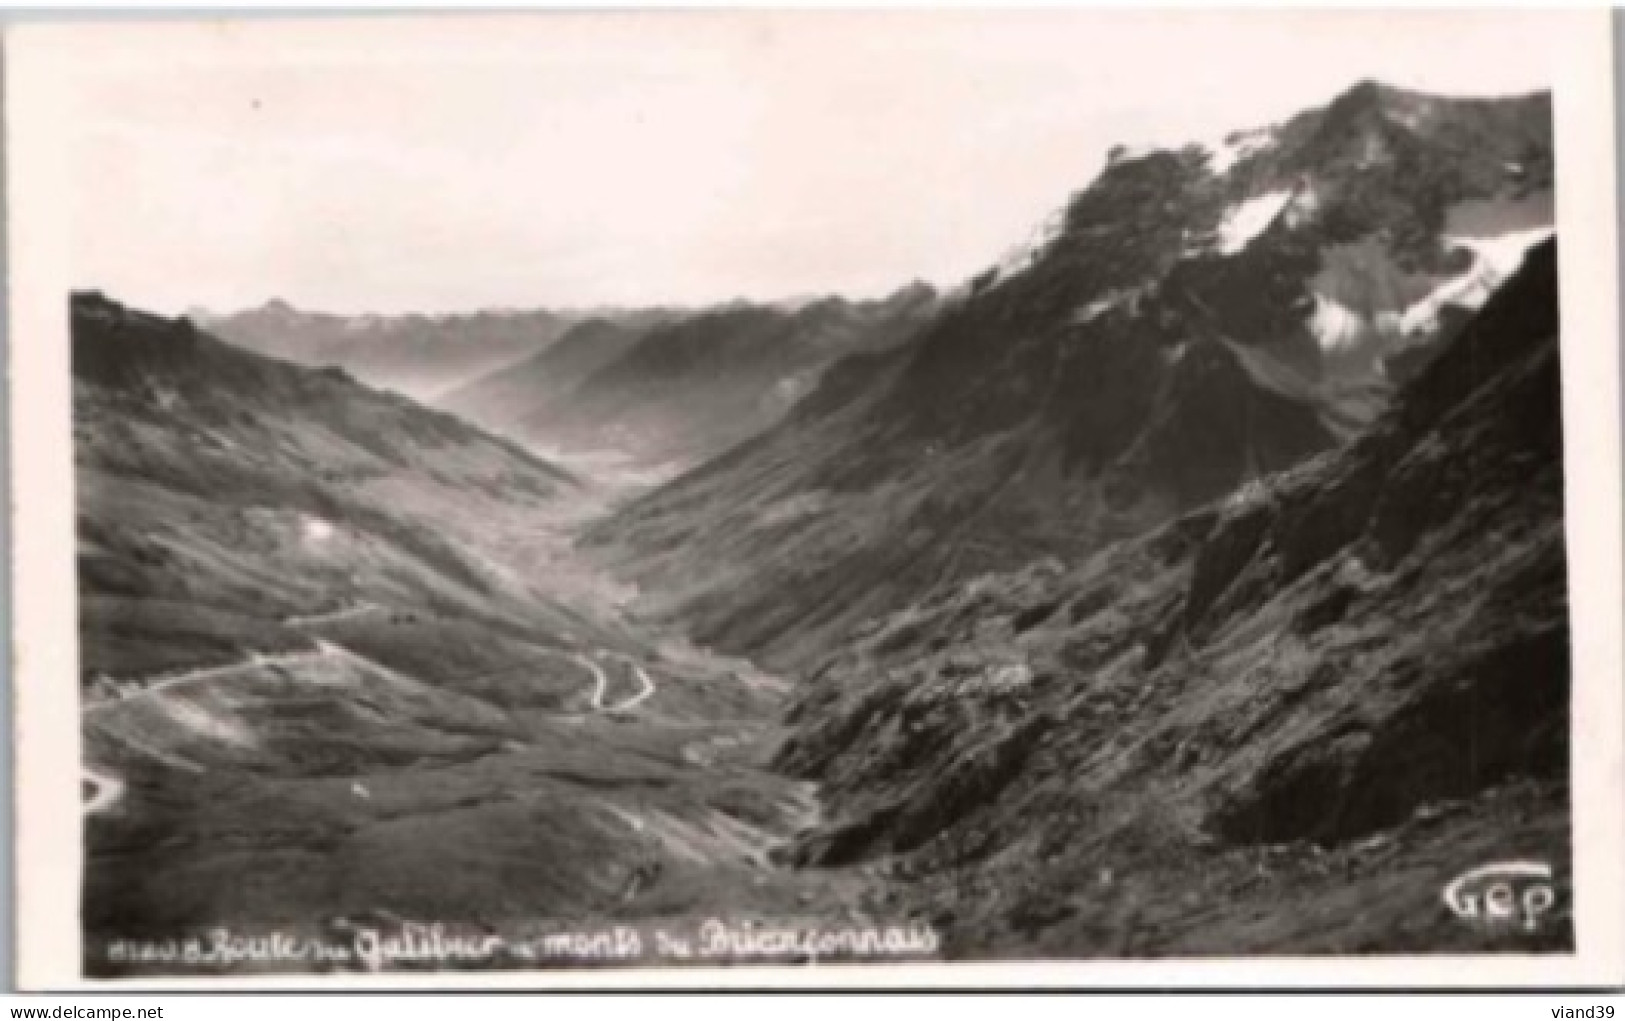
[[1191, 321], [420, 355], [1280, 724]]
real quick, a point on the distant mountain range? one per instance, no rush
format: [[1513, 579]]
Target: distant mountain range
[[664, 386], [683, 388], [418, 355]]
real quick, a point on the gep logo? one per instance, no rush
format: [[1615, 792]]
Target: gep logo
[[1502, 892]]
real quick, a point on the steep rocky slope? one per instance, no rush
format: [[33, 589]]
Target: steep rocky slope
[[1194, 320], [419, 355], [1280, 723]]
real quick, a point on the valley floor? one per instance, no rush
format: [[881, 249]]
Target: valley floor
[[418, 789], [548, 800]]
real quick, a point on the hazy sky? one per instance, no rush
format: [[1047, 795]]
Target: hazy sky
[[574, 159]]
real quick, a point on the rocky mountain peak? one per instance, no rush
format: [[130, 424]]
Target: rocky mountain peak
[[1192, 320]]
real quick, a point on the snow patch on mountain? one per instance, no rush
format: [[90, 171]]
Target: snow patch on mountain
[[1504, 253], [1336, 327], [1360, 318], [1494, 259], [1498, 233], [1226, 152], [1246, 220], [1352, 344]]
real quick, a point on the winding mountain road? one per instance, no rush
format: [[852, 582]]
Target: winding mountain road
[[333, 616], [636, 700], [108, 789], [253, 659], [600, 682]]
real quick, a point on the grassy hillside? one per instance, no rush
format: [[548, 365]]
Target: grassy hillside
[[221, 492]]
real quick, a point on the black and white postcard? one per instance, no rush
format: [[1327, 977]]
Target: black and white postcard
[[767, 498]]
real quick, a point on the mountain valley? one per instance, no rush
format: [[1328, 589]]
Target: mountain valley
[[1193, 582]]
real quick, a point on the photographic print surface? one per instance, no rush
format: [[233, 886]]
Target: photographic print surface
[[686, 490]]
